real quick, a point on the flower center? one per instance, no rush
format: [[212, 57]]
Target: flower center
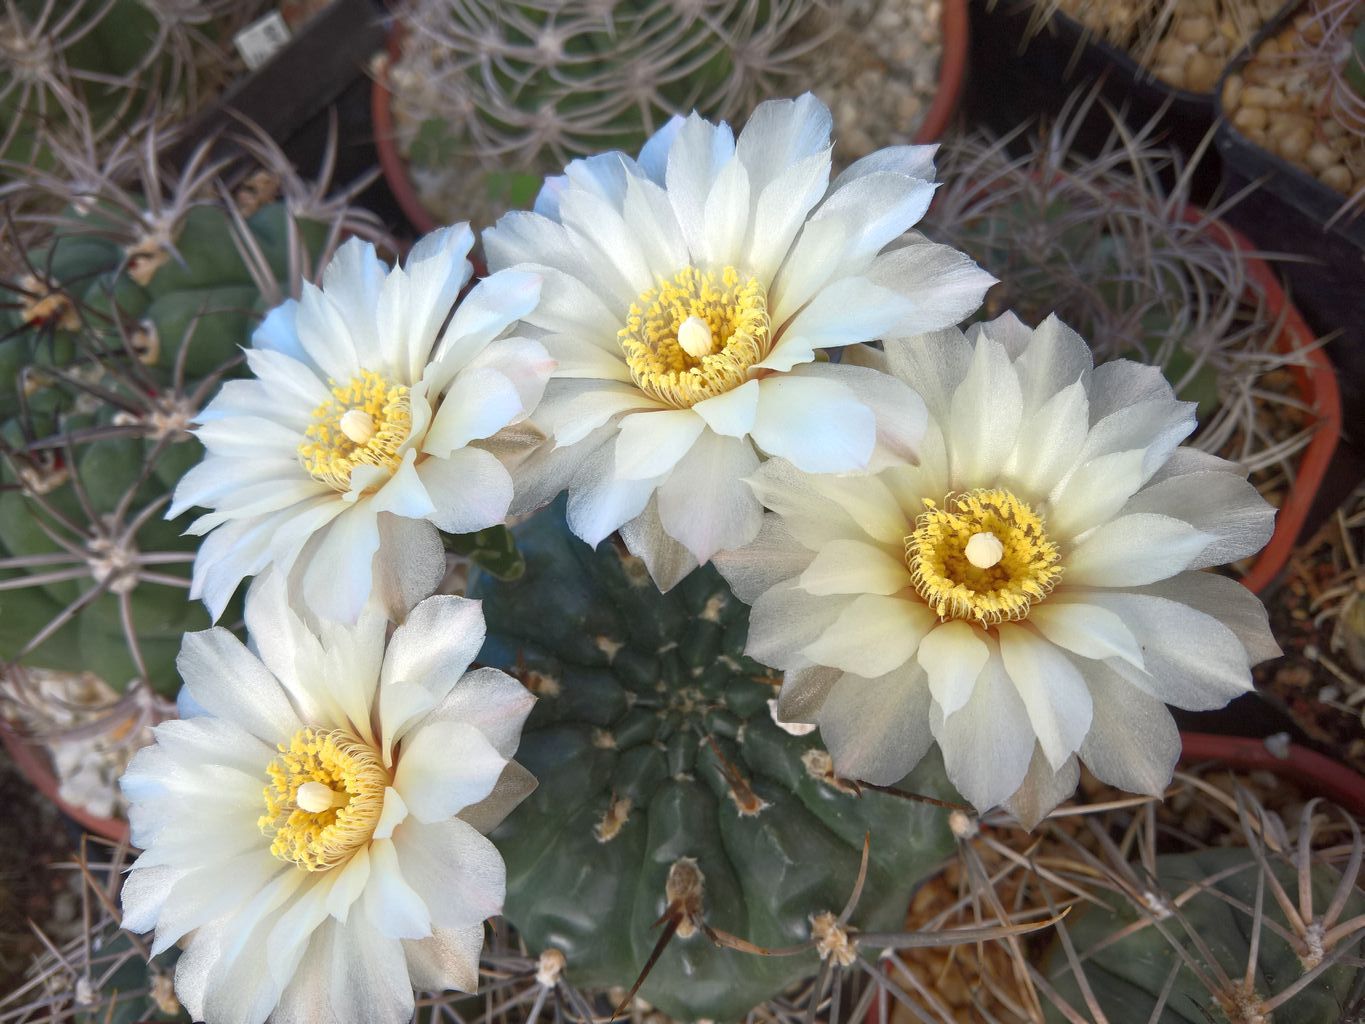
[[696, 336], [323, 801], [983, 556], [364, 423]]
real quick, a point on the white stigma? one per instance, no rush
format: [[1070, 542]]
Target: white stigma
[[358, 425], [314, 797], [695, 337], [984, 550]]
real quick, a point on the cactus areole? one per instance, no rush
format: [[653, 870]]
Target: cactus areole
[[657, 755]]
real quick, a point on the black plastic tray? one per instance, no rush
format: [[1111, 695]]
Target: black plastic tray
[[1285, 213], [1015, 78]]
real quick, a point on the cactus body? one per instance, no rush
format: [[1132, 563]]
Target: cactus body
[[202, 296], [653, 744], [1128, 975]]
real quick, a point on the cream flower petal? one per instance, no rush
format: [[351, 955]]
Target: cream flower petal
[[1086, 629], [601, 504], [358, 406], [1053, 691], [898, 411], [431, 650], [650, 444], [457, 872], [480, 403], [512, 787], [352, 283], [412, 566], [288, 866], [732, 413], [1135, 549], [446, 959], [852, 567], [490, 701], [987, 744], [953, 655], [1032, 565], [783, 620], [337, 581], [1133, 743], [817, 425], [1043, 788], [704, 504], [872, 636], [1223, 505], [1052, 434], [349, 972], [1227, 601], [471, 490], [878, 729], [1190, 660], [491, 307], [229, 682], [446, 767], [698, 279], [978, 446], [668, 561]]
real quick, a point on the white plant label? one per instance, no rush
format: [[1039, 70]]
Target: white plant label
[[260, 40]]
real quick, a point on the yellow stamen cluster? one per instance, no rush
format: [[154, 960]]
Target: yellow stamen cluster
[[364, 423], [983, 556], [732, 309], [324, 798]]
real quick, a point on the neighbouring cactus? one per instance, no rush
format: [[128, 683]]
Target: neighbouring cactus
[[1201, 923], [530, 85], [656, 753], [95, 66], [122, 329]]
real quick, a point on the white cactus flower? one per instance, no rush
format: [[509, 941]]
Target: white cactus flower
[[313, 827], [360, 433], [686, 296], [1027, 595]]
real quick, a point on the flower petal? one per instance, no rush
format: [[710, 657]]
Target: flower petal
[[470, 489], [651, 443], [230, 682], [732, 413], [852, 567], [458, 873], [445, 767], [817, 425], [705, 504], [877, 730], [983, 421], [1133, 743], [872, 636], [1052, 688], [987, 745], [1132, 550], [953, 655]]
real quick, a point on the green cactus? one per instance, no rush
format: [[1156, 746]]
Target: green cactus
[[91, 68], [1353, 68], [112, 372], [527, 86], [654, 747], [1127, 960]]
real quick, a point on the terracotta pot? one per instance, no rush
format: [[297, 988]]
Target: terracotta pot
[[32, 761], [955, 29], [952, 78], [1318, 775], [1317, 382]]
